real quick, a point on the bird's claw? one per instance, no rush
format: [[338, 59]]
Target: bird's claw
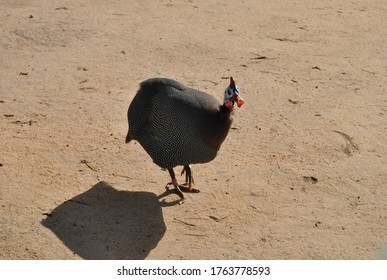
[[179, 189], [176, 190], [186, 189]]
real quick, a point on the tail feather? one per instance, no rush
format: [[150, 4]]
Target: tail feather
[[128, 138]]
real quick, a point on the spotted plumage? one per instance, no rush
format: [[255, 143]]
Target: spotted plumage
[[178, 125]]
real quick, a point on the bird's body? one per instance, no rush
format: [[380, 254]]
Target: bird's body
[[177, 125]]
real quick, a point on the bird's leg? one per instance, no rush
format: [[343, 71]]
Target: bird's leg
[[179, 189], [189, 180], [187, 169], [174, 183]]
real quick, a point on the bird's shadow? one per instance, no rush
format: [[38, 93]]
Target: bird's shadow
[[104, 223]]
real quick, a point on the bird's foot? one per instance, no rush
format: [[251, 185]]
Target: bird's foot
[[175, 190], [188, 189], [179, 189]]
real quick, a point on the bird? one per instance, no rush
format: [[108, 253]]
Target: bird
[[180, 126]]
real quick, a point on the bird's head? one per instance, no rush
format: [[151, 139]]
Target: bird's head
[[232, 95]]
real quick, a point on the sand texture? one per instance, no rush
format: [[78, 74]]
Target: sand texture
[[301, 175]]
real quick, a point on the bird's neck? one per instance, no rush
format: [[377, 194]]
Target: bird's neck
[[217, 129], [225, 110]]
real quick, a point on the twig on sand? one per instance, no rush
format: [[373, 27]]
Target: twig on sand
[[368, 71], [216, 219], [195, 234], [215, 83], [90, 165], [120, 175], [188, 224], [350, 146]]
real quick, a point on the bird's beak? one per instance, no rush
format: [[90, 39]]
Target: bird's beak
[[239, 100]]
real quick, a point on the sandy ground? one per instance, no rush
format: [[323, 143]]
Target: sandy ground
[[302, 174]]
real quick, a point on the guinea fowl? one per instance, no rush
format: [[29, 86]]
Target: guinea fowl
[[178, 125]]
